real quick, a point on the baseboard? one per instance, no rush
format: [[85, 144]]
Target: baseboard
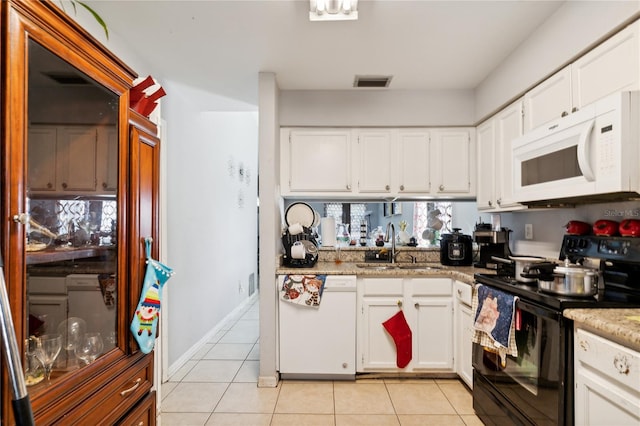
[[188, 355]]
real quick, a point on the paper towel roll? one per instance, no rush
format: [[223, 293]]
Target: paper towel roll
[[328, 231]]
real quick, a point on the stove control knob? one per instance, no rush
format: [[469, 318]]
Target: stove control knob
[[583, 244]]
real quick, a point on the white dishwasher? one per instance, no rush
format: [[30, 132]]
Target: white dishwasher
[[320, 343]]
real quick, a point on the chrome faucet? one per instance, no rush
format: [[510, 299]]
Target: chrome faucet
[[393, 240]]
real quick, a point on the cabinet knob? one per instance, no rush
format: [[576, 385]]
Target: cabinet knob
[[490, 203], [399, 303], [401, 187], [574, 109], [416, 305], [345, 365], [564, 114], [499, 201], [441, 187], [387, 187], [104, 185], [64, 185], [49, 185], [584, 345], [621, 363], [349, 187], [459, 292]]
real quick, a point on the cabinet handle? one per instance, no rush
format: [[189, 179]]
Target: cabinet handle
[[349, 187], [490, 203], [387, 187], [49, 185], [564, 114], [584, 345], [64, 185], [22, 218], [574, 109], [399, 303], [621, 363], [441, 187], [416, 305], [132, 388], [401, 187], [499, 201]]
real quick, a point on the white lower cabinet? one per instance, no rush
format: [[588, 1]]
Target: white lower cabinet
[[463, 325], [428, 308], [607, 382]]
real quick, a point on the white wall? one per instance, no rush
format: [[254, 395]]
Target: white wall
[[569, 32], [211, 216], [376, 107]]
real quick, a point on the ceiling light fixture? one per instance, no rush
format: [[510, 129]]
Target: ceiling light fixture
[[333, 10]]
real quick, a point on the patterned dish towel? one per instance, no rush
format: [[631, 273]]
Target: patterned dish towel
[[305, 290], [493, 321]]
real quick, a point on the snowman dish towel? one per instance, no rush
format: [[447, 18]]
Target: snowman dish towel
[[145, 320]]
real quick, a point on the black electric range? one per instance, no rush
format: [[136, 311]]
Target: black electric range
[[535, 387]]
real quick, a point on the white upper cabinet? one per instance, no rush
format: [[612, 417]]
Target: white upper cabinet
[[315, 161], [385, 162], [452, 167], [485, 140], [548, 100], [376, 160], [610, 67], [414, 169], [495, 166]]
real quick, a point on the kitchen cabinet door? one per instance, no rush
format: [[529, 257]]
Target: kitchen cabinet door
[[452, 151], [610, 67], [486, 170], [376, 158], [463, 331], [108, 171], [414, 169], [549, 100], [508, 126], [77, 157], [43, 142], [316, 161], [377, 351]]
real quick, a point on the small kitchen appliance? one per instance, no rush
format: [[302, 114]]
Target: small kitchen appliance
[[491, 243], [456, 249], [537, 385]]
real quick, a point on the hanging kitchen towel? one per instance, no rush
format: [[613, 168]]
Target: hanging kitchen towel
[[399, 330], [304, 290], [145, 320], [493, 320]]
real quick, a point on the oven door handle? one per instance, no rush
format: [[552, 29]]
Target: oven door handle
[[538, 310]]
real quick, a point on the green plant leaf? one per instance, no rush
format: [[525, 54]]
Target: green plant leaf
[[97, 17]]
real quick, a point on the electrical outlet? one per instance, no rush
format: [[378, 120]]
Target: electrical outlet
[[528, 231]]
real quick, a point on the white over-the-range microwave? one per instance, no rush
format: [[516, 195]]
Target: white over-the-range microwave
[[590, 155]]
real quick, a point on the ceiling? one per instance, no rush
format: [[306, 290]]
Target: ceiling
[[221, 46]]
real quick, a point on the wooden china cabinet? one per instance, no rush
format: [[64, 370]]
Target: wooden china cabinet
[[73, 246]]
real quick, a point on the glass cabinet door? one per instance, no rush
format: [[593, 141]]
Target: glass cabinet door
[[71, 219]]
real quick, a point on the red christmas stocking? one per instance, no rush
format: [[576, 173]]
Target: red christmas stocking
[[399, 330]]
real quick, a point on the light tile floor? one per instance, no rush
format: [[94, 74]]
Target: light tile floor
[[219, 387]]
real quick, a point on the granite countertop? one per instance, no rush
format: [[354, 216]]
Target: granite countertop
[[619, 325], [460, 273]]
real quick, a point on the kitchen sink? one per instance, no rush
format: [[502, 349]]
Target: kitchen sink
[[376, 266]]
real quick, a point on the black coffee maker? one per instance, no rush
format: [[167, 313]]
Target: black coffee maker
[[491, 243]]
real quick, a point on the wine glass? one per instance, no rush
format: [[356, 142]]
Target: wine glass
[[72, 329], [48, 348], [89, 347]]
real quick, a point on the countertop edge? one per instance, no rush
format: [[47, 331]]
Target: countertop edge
[[614, 324]]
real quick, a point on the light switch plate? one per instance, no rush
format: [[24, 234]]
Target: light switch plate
[[528, 231]]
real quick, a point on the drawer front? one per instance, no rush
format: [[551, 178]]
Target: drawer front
[[462, 292], [116, 397], [610, 359], [143, 414], [47, 285], [431, 286], [382, 286]]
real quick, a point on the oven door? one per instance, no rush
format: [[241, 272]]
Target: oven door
[[534, 383]]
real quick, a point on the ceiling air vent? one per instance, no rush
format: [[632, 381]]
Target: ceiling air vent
[[67, 78], [372, 81]]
